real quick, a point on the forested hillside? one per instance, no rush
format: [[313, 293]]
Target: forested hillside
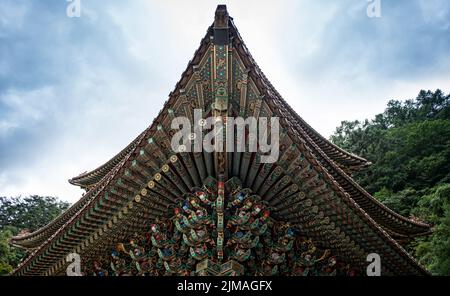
[[409, 146], [23, 214]]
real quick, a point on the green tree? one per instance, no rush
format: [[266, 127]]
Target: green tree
[[23, 214], [29, 213], [434, 251], [409, 146]]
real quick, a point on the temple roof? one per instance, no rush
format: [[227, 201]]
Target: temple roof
[[309, 186]]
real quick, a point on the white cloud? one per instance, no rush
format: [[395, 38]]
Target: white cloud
[[12, 15], [28, 106], [117, 64]]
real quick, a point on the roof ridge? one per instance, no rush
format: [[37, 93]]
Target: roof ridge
[[371, 222], [113, 173], [316, 146], [363, 161]]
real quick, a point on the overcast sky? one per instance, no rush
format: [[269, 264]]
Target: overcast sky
[[75, 91]]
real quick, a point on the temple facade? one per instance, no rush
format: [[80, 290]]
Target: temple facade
[[155, 210]]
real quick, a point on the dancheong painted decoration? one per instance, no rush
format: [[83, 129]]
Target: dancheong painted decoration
[[151, 210]]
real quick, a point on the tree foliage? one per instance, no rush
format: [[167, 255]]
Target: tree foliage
[[23, 214], [409, 146]]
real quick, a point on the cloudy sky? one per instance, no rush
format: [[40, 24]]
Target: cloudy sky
[[75, 91]]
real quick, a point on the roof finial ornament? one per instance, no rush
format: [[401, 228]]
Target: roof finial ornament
[[221, 19], [221, 36]]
